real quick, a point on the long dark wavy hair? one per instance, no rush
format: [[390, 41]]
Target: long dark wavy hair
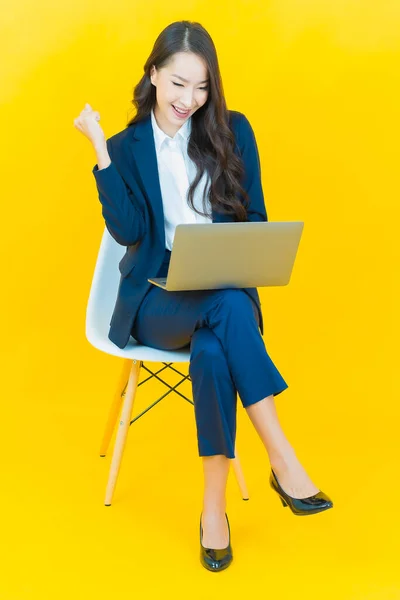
[[211, 142]]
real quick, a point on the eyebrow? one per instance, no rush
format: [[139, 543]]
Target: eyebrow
[[186, 80]]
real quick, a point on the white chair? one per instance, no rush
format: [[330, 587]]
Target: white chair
[[98, 314]]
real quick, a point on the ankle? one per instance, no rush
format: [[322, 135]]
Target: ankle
[[283, 460], [211, 511]]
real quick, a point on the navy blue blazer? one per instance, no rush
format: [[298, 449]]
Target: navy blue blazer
[[130, 194]]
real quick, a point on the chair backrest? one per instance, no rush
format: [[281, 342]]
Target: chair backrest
[[103, 292], [100, 306]]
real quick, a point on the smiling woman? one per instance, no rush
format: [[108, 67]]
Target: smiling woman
[[186, 158], [182, 81]]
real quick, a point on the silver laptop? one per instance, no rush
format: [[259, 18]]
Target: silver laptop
[[208, 256]]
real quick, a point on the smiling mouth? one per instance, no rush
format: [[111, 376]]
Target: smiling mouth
[[183, 112]]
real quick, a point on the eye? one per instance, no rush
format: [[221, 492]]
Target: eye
[[181, 85]]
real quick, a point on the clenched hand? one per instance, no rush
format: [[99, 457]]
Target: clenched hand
[[88, 124]]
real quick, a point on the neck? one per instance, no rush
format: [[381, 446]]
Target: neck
[[164, 125]]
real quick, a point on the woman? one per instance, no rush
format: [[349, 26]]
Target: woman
[[185, 158]]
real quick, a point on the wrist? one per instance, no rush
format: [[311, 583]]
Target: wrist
[[100, 145]]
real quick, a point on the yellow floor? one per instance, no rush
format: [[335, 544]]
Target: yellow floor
[[60, 541]]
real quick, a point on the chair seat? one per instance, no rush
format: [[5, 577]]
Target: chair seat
[[135, 350]]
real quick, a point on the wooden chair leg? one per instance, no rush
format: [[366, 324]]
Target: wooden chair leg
[[123, 427], [115, 407], [239, 476]]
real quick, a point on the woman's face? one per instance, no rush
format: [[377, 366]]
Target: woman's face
[[182, 84]]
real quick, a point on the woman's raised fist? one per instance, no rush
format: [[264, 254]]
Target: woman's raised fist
[[88, 124]]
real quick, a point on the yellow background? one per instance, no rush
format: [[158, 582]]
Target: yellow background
[[319, 81]]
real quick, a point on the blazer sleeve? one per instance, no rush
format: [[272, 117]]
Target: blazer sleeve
[[252, 178], [123, 218]]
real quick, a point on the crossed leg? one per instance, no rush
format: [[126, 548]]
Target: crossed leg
[[228, 355]]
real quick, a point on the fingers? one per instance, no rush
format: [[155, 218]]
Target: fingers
[[87, 122], [87, 112]]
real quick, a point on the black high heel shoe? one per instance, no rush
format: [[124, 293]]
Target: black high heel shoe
[[215, 559], [301, 506]]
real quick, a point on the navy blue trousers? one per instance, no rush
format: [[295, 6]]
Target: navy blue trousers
[[227, 354]]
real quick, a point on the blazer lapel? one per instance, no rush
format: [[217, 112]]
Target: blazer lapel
[[144, 153]]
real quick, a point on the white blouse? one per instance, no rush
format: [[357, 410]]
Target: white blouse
[[176, 172]]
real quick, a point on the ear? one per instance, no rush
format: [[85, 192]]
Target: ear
[[153, 75]]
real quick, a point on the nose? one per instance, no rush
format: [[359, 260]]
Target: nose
[[187, 99]]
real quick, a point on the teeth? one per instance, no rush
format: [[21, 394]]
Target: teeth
[[182, 112]]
